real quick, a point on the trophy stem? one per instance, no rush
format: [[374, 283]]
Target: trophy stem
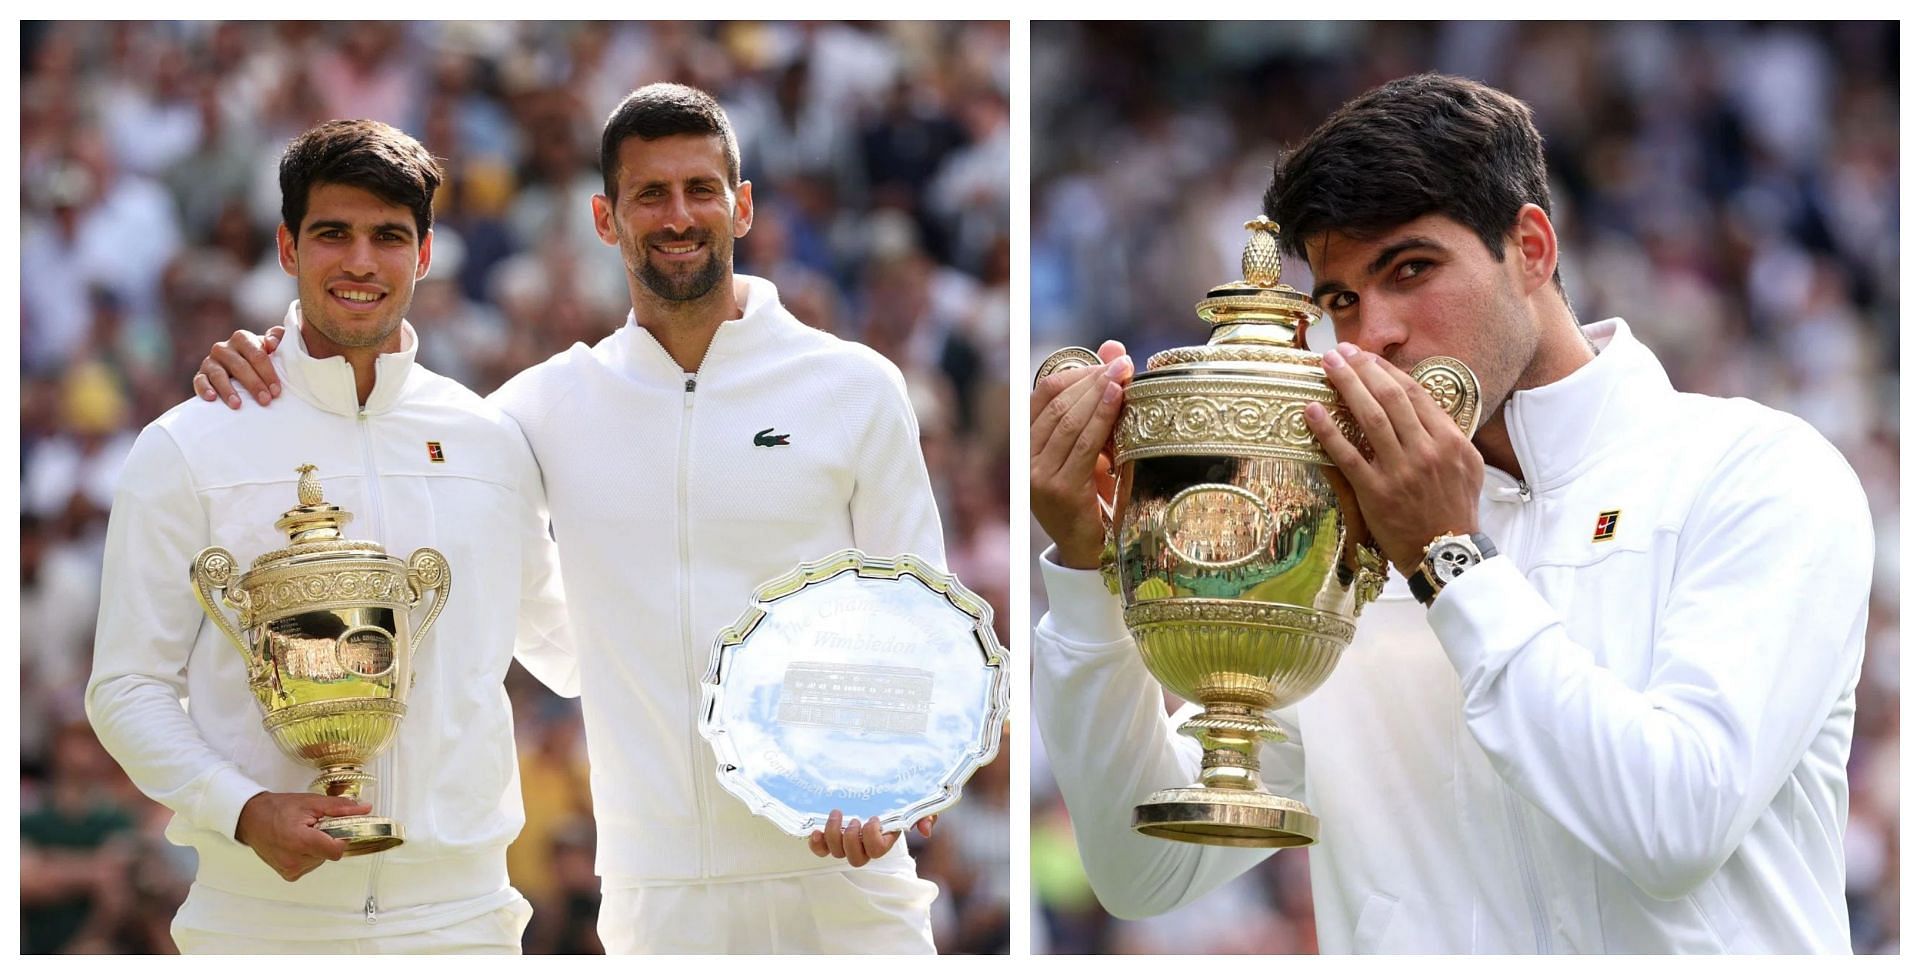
[[345, 780], [1228, 807], [1231, 735]]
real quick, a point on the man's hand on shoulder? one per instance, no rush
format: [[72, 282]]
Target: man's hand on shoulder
[[280, 827], [242, 360], [859, 843]]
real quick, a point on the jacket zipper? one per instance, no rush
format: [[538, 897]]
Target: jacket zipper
[[1536, 902], [386, 765], [686, 623], [1529, 873]]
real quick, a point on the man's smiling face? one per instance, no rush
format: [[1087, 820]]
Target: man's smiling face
[[675, 215], [356, 258]]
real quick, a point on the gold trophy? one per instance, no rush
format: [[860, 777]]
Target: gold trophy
[[328, 646], [1235, 543]]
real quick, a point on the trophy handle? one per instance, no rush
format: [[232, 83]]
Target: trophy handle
[[212, 572], [1453, 385], [427, 569]]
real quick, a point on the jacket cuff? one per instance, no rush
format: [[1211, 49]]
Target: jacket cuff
[[1080, 610], [220, 803], [1485, 617]]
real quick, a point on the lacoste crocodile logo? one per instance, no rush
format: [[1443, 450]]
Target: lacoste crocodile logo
[[767, 438]]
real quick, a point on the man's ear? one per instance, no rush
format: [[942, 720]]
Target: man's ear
[[1537, 245], [284, 238], [743, 208], [603, 220], [426, 256]]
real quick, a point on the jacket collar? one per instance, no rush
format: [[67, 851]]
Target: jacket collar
[[328, 383], [633, 351], [1559, 427]]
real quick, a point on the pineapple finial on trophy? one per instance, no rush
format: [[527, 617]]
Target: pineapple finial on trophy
[[313, 520], [1260, 259], [1258, 309], [310, 495]]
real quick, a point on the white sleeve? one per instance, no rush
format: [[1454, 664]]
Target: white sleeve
[[146, 631], [543, 643], [892, 506], [1110, 743], [1758, 638]]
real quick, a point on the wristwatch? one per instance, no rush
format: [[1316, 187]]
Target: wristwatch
[[1447, 557]]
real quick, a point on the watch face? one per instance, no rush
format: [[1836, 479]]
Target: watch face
[[1449, 559]]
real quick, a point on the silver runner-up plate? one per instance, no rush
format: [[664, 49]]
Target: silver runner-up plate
[[871, 686]]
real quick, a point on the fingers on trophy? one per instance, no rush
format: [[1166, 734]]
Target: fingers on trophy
[[1236, 545]]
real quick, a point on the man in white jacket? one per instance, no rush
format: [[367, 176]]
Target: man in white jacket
[[709, 445], [1620, 721], [419, 461]]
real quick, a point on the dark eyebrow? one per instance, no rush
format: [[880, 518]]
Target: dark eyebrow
[[1395, 249], [404, 229], [1380, 260], [1324, 287], [689, 181]]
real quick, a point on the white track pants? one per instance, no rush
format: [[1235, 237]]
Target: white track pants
[[844, 912]]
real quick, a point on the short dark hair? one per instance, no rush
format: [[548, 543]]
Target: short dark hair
[[364, 154], [1431, 143], [660, 110]]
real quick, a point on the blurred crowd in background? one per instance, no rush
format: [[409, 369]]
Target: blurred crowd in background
[[1730, 190], [149, 198]]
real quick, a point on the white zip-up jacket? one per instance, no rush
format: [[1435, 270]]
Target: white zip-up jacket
[[674, 496], [168, 695], [1630, 744]]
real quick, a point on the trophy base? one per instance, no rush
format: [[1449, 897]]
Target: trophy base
[[1226, 817], [364, 834]]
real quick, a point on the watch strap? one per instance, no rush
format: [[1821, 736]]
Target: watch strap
[[1485, 545], [1422, 585]]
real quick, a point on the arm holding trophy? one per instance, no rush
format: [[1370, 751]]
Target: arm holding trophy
[[1664, 775], [893, 513], [146, 634], [892, 505], [1085, 664]]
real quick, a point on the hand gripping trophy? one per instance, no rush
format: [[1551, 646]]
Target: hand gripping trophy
[[1234, 542], [328, 647]]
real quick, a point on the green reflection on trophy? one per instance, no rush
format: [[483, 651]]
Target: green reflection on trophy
[[324, 628], [1236, 545]]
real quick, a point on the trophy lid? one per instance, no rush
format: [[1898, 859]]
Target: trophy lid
[[314, 525], [1257, 320]]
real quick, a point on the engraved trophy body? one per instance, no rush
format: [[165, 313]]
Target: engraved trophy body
[[323, 626], [1234, 542]]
